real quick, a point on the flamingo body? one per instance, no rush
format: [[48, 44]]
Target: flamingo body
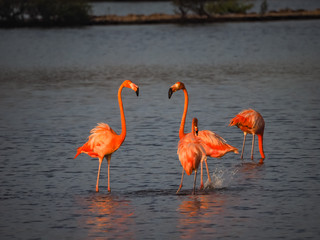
[[250, 121], [191, 153], [103, 140]]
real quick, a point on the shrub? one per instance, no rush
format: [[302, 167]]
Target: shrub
[[228, 6], [195, 6], [48, 12]]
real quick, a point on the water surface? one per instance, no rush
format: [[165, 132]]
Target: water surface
[[57, 84]]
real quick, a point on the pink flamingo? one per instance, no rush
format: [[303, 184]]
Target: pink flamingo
[[214, 145], [103, 140], [250, 121], [191, 153]]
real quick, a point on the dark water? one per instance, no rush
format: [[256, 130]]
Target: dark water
[[57, 84], [125, 8]]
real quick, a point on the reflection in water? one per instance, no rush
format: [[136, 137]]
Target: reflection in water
[[209, 213], [250, 170], [246, 166], [103, 214], [197, 212]]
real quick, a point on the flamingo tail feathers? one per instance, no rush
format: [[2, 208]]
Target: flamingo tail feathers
[[86, 149]]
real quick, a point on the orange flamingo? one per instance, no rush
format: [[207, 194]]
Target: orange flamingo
[[250, 121], [103, 140], [191, 153], [214, 145]]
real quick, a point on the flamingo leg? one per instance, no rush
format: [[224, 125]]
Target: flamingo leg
[[208, 172], [97, 186], [108, 159], [181, 181], [194, 183], [252, 146], [244, 140]]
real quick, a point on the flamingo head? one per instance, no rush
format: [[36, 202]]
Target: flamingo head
[[130, 84], [175, 87], [195, 129]]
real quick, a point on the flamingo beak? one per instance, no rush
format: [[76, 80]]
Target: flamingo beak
[[196, 130], [170, 93], [137, 92]]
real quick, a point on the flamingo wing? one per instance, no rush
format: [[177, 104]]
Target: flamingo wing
[[214, 145]]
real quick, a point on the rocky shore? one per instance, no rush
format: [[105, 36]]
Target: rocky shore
[[166, 18]]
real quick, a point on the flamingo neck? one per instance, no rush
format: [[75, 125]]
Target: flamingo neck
[[123, 119], [184, 115], [260, 138]]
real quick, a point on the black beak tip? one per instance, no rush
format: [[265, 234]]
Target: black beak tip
[[137, 92], [170, 93]]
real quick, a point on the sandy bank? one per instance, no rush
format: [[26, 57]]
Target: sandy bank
[[166, 18]]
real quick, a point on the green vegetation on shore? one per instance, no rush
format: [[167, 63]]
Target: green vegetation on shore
[[210, 7], [44, 12]]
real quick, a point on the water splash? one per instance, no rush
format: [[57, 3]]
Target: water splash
[[221, 178]]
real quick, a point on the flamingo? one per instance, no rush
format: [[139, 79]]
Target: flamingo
[[191, 153], [103, 140], [250, 121], [214, 145]]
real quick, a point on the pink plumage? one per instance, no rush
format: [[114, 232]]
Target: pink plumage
[[214, 145], [100, 143], [250, 121], [190, 153]]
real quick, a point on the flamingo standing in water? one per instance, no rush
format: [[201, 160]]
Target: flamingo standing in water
[[191, 153], [250, 121], [214, 145], [104, 141]]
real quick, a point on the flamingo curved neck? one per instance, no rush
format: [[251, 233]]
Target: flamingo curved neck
[[184, 115], [123, 119], [260, 139]]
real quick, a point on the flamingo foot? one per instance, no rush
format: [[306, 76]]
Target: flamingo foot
[[179, 188], [201, 186], [109, 189], [97, 189]]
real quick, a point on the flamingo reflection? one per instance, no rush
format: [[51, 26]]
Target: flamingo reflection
[[107, 213], [250, 170], [198, 211]]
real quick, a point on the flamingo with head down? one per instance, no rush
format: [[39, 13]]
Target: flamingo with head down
[[214, 145], [250, 121], [103, 140]]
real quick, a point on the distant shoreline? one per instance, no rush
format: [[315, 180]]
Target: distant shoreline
[[159, 18]]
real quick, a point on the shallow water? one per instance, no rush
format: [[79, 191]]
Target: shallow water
[[57, 84]]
